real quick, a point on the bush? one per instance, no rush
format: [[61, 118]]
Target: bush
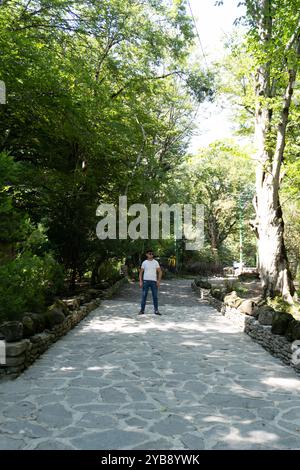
[[234, 286], [109, 271], [280, 305], [27, 283]]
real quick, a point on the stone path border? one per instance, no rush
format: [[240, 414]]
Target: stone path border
[[21, 354], [277, 345]]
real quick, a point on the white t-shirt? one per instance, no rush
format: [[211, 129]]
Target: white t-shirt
[[150, 268]]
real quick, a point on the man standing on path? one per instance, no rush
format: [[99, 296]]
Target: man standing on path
[[150, 268]]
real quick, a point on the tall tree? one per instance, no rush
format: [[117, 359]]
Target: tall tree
[[98, 101], [220, 177], [273, 45], [273, 35]]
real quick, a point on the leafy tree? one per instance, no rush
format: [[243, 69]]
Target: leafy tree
[[221, 178], [100, 96], [273, 45]]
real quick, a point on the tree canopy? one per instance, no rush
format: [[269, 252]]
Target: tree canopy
[[100, 97]]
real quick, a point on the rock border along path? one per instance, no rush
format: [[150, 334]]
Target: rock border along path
[[186, 380]]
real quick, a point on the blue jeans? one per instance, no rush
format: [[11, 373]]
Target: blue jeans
[[152, 285]]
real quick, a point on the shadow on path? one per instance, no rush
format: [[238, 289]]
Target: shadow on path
[[186, 380]]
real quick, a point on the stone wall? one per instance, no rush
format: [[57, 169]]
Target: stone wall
[[277, 345], [21, 354]]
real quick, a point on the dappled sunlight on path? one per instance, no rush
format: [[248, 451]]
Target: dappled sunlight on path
[[186, 380]]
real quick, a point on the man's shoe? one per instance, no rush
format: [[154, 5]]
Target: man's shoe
[[141, 313], [157, 313]]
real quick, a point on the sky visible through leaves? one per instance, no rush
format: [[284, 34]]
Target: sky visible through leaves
[[214, 24]]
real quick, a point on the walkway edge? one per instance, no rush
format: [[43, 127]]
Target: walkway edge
[[21, 354], [277, 345]]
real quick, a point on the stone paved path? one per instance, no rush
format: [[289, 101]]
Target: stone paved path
[[187, 380]]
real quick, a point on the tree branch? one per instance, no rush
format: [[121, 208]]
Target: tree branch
[[139, 157], [281, 129], [224, 234], [160, 77], [294, 36]]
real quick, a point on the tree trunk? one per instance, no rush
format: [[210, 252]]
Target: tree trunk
[[72, 284], [213, 236], [272, 259], [95, 271], [273, 264]]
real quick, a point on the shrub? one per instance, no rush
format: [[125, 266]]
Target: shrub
[[27, 283], [234, 286], [280, 305], [109, 271]]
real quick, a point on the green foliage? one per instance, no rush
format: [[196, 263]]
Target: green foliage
[[255, 76], [280, 305], [221, 178], [291, 208], [99, 101], [13, 222], [26, 283], [235, 286], [37, 241], [202, 85], [109, 270]]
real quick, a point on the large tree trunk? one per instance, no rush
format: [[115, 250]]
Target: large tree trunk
[[272, 259], [273, 264]]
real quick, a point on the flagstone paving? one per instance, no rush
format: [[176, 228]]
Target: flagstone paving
[[186, 380]]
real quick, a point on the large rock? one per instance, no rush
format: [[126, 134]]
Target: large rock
[[296, 330], [86, 296], [248, 307], [293, 330], [203, 283], [93, 293], [82, 299], [72, 304], [17, 348], [259, 300], [233, 300], [29, 327], [103, 285], [60, 305], [281, 322], [54, 316], [15, 361], [265, 315], [218, 293], [39, 323], [12, 331]]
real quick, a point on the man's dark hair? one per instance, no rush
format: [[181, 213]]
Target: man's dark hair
[[149, 251]]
